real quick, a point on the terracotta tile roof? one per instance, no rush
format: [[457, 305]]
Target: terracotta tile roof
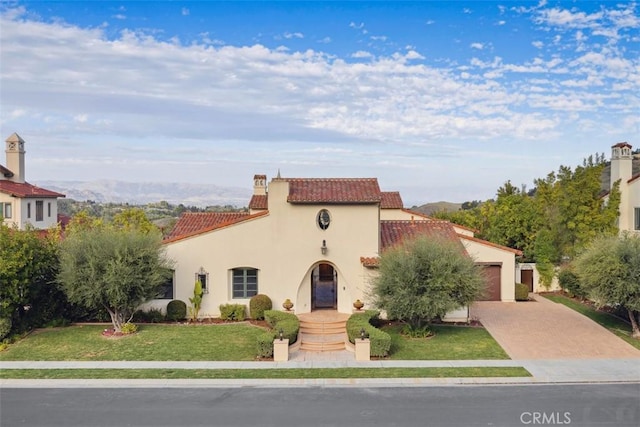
[[5, 172], [488, 243], [194, 223], [394, 232], [24, 189], [621, 145], [391, 200], [334, 190], [369, 261], [259, 201], [421, 215]]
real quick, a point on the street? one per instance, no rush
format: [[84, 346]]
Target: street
[[508, 405]]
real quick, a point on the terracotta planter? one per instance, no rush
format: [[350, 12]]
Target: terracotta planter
[[287, 304], [358, 304]]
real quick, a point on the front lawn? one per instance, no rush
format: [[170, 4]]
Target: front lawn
[[152, 342], [449, 343], [612, 323]]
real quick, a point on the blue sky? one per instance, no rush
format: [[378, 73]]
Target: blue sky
[[440, 100]]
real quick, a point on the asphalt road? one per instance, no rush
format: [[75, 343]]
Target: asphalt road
[[513, 405]]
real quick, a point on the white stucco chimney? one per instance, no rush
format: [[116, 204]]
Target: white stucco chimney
[[15, 157], [259, 185], [621, 162]]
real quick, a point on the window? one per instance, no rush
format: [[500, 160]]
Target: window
[[39, 210], [49, 209], [637, 219], [203, 277], [166, 288], [245, 282], [28, 210], [5, 210]]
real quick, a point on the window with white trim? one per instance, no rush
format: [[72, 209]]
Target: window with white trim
[[244, 282], [636, 221], [29, 210], [39, 210], [203, 277], [49, 209]]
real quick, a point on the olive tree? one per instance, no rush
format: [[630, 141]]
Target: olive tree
[[113, 268], [424, 279], [609, 271]]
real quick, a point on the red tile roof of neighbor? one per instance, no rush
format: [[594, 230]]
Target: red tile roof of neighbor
[[622, 144], [394, 232], [5, 172], [194, 223], [334, 190], [391, 200], [259, 201], [421, 215], [25, 189]]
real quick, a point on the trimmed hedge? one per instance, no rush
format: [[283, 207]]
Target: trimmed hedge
[[257, 306], [235, 312], [176, 310], [570, 282], [153, 315], [277, 320], [380, 340], [522, 292]]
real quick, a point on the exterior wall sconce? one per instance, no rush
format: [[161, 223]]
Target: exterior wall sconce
[[323, 248]]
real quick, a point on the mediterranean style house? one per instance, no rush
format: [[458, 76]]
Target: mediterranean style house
[[20, 202], [622, 171], [313, 241]]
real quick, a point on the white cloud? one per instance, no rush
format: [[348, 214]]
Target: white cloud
[[537, 44], [325, 40], [379, 38], [430, 22], [361, 54], [501, 22], [356, 26], [478, 46], [466, 10], [296, 35], [120, 16], [185, 11]]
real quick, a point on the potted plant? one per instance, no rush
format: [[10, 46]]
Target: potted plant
[[287, 304]]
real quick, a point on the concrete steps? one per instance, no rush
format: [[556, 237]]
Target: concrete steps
[[323, 331]]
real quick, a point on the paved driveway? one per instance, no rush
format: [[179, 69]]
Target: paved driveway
[[543, 329]]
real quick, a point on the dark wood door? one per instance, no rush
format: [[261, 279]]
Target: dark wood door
[[526, 277], [493, 282]]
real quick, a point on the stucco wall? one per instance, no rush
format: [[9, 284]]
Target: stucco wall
[[485, 253], [19, 212]]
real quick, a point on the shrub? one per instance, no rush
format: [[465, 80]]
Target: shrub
[[522, 292], [277, 320], [153, 315], [380, 340], [570, 282], [176, 310], [233, 312], [128, 328], [5, 327], [258, 304]]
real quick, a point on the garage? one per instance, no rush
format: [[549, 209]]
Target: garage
[[492, 273]]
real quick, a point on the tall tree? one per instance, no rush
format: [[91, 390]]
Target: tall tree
[[610, 272], [28, 267], [113, 268], [423, 279]]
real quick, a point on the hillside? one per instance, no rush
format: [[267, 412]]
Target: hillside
[[431, 208]]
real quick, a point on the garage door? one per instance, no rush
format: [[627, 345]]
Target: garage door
[[492, 289]]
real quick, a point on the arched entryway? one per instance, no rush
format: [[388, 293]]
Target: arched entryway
[[324, 287]]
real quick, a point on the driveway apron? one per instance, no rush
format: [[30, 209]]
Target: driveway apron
[[543, 329]]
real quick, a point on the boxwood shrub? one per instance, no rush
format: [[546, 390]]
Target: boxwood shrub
[[258, 304], [176, 310], [234, 312], [277, 320], [522, 292], [380, 340]]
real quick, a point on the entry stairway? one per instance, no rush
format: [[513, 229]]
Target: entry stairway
[[323, 330]]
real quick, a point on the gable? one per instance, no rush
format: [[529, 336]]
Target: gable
[[391, 200], [192, 223], [394, 232], [26, 190]]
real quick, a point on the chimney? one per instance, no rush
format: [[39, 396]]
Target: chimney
[[621, 162], [15, 157], [259, 185]]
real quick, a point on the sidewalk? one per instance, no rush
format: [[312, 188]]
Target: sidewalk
[[543, 371]]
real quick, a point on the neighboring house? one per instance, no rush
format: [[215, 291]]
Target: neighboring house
[[20, 202], [314, 241], [622, 171]]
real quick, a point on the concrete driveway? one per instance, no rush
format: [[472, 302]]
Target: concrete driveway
[[542, 329]]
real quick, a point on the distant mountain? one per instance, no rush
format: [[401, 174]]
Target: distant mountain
[[431, 208], [139, 193]]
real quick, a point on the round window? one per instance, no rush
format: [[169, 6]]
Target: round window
[[324, 219]]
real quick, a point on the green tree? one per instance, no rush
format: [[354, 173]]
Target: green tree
[[113, 268], [133, 218], [196, 301], [28, 266], [610, 272], [423, 279]]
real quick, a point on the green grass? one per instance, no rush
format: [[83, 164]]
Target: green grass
[[293, 373], [449, 343], [152, 342], [612, 323]]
